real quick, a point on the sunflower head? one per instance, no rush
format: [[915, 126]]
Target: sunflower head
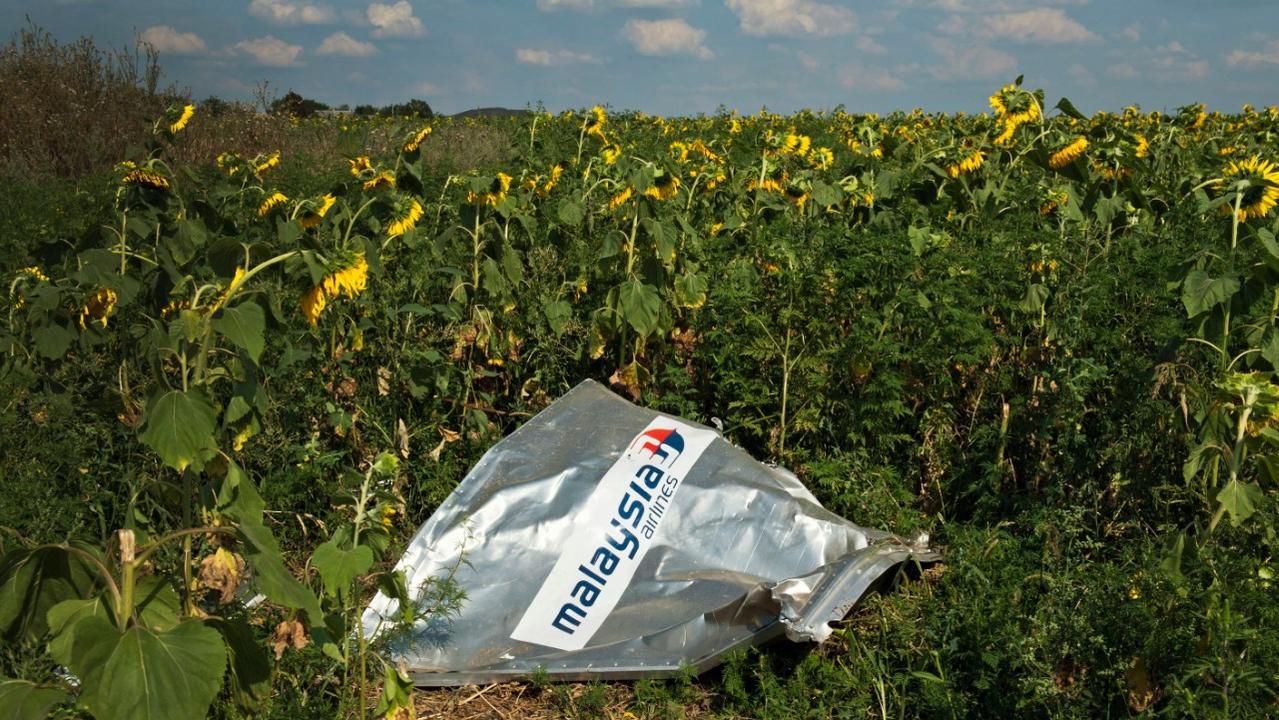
[[1257, 182], [178, 119]]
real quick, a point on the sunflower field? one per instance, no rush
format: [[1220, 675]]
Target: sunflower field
[[233, 389]]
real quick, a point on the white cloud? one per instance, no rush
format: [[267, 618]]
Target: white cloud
[[269, 50], [1132, 32], [868, 45], [1269, 55], [339, 43], [547, 58], [975, 62], [425, 88], [666, 37], [291, 12], [1171, 63], [792, 17], [809, 62], [1081, 75], [858, 77], [165, 39], [1041, 25], [395, 20], [565, 4], [1122, 71], [653, 3]]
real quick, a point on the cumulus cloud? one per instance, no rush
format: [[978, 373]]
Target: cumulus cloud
[[1132, 32], [1041, 25], [547, 58], [565, 4], [975, 62], [653, 3], [339, 43], [792, 17], [165, 39], [867, 44], [394, 20], [291, 12], [269, 50], [666, 37], [1081, 75], [858, 77], [1269, 55], [1171, 63]]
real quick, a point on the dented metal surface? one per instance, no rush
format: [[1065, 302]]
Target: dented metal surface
[[616, 542]]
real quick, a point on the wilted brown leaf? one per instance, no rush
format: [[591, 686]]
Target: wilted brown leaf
[[290, 633], [222, 572]]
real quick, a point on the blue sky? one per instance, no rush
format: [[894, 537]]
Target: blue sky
[[689, 56]]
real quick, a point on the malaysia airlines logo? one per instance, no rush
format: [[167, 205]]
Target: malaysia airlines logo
[[663, 445]]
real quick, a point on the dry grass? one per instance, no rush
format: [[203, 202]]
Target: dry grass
[[513, 700]]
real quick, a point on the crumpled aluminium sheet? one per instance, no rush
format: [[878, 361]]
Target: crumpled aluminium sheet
[[721, 552]]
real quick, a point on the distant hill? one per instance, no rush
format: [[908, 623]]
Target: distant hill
[[490, 112]]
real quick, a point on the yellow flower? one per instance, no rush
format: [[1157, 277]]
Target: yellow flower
[[146, 178], [271, 202], [98, 307], [380, 181], [495, 194], [34, 273], [969, 164], [594, 123], [313, 219], [796, 144], [349, 281], [388, 516], [1262, 191], [795, 196], [359, 165], [620, 198], [1068, 154], [230, 288], [271, 162], [1143, 147], [611, 153], [187, 113], [773, 183], [416, 140], [663, 188], [406, 222], [821, 158]]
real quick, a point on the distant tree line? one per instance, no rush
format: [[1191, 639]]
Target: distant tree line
[[294, 105]]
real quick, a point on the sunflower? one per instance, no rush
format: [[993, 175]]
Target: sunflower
[[1013, 107], [349, 281], [146, 178], [664, 187], [620, 198], [794, 144], [382, 180], [495, 194], [415, 141], [968, 164], [594, 123], [1068, 154], [271, 162], [543, 189], [795, 196], [229, 163], [775, 182], [236, 280], [1054, 201], [312, 219], [185, 117], [1143, 147], [611, 153], [821, 158], [405, 222], [359, 165], [271, 202], [1258, 181], [679, 151], [98, 307], [34, 273]]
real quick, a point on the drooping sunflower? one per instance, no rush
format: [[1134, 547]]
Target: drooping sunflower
[[495, 194], [183, 118], [349, 281], [269, 163], [1068, 154], [146, 178], [359, 165], [416, 141], [382, 181], [970, 159], [271, 202], [796, 196], [821, 158], [611, 153], [1258, 180], [794, 144], [773, 182], [229, 163], [664, 187], [594, 122], [312, 219], [620, 198], [405, 221], [99, 307]]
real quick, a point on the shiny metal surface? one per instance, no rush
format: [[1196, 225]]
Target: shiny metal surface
[[744, 554]]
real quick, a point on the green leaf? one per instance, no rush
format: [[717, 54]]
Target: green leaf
[[640, 305], [178, 426], [1036, 296], [1068, 108], [339, 568], [63, 619], [142, 674], [1171, 562], [52, 341], [250, 665], [690, 290], [557, 314], [24, 700], [825, 194], [1240, 500], [570, 212], [244, 325], [32, 582], [1200, 293]]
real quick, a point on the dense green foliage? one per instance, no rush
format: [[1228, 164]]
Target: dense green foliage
[[1041, 360]]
